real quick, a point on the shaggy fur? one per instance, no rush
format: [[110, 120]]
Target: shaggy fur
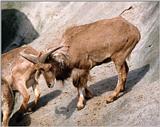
[[90, 45]]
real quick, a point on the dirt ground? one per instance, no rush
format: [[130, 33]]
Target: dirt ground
[[139, 105]]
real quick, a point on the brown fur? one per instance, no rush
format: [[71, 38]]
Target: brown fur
[[89, 45], [19, 74], [7, 101]]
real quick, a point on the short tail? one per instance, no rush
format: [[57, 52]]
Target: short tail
[[126, 10]]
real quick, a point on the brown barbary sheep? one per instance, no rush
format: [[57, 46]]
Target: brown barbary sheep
[[19, 73], [87, 46]]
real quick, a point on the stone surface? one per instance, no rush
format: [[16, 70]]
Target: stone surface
[[139, 105]]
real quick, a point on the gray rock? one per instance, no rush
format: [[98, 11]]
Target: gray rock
[[139, 105]]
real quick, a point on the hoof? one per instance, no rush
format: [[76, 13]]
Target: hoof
[[89, 96], [80, 107], [33, 108], [110, 99], [122, 90]]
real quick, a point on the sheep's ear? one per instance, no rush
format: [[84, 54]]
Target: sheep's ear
[[37, 74], [32, 58]]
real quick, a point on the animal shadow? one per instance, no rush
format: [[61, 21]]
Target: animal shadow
[[109, 84], [105, 85], [45, 99], [19, 119]]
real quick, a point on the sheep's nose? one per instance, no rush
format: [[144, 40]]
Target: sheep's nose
[[50, 85]]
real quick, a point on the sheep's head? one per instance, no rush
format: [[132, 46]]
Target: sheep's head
[[43, 69]]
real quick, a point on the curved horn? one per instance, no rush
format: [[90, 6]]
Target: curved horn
[[43, 57], [32, 58]]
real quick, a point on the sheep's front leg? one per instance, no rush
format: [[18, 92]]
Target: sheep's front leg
[[80, 78], [21, 87], [81, 99], [36, 93]]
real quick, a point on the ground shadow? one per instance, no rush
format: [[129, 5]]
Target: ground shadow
[[17, 29], [24, 119], [105, 85], [45, 99], [20, 120], [109, 84]]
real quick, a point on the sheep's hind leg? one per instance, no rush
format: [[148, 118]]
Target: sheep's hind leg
[[5, 117], [88, 93], [122, 75]]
